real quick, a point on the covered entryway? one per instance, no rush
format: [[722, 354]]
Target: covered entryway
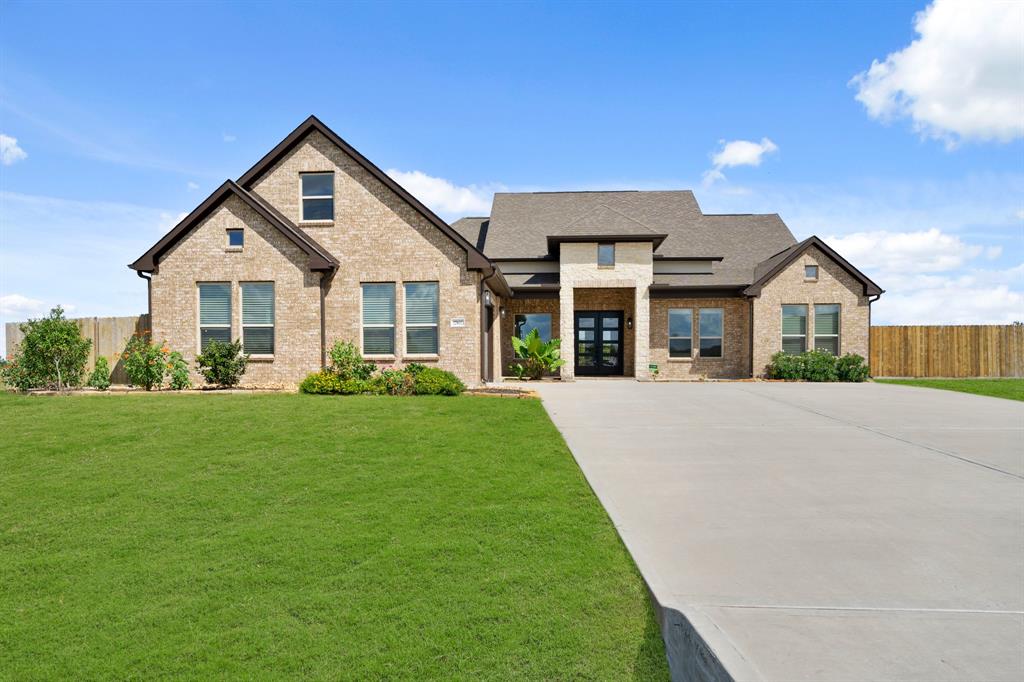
[[599, 343]]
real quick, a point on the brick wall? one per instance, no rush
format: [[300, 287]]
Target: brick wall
[[735, 360], [834, 285]]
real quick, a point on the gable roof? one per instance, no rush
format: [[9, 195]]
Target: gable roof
[[319, 257], [475, 259], [769, 268]]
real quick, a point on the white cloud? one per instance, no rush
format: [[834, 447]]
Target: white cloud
[[737, 153], [961, 79], [227, 137], [922, 251], [10, 152], [993, 252], [16, 306], [445, 197], [192, 185]]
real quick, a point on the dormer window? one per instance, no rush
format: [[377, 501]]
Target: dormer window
[[606, 255], [317, 196]]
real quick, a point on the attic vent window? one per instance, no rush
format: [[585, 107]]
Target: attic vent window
[[606, 255], [317, 196]]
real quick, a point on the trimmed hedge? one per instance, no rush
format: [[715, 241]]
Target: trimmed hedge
[[434, 381], [818, 365]]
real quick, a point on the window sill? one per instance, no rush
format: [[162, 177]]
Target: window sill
[[605, 267], [680, 359], [233, 249], [316, 223], [810, 281], [421, 358], [261, 358], [379, 358]]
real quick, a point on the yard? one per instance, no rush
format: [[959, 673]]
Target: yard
[[288, 536], [1012, 389]]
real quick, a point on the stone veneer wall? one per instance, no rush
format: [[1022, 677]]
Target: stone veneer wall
[[377, 237], [735, 360], [633, 269], [834, 285], [203, 256]]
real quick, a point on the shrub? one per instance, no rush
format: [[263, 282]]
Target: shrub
[[222, 364], [52, 353], [395, 381], [537, 356], [326, 382], [434, 381], [144, 362], [347, 362], [178, 370], [852, 367], [819, 365], [100, 377], [14, 374], [785, 366]]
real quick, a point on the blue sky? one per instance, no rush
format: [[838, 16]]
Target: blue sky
[[118, 118]]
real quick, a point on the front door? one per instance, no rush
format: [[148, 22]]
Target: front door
[[599, 343]]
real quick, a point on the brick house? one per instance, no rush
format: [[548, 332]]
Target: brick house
[[316, 244]]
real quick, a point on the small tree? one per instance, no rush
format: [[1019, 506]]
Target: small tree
[[348, 363], [100, 377], [53, 351], [222, 364], [144, 362]]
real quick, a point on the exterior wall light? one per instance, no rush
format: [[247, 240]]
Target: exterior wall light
[[629, 322]]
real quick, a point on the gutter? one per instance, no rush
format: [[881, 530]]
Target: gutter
[[325, 279], [149, 295], [485, 349]]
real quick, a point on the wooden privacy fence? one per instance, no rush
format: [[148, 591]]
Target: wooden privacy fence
[[109, 336], [948, 351]]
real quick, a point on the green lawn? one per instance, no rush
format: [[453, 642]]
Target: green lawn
[[288, 536], [1012, 389]]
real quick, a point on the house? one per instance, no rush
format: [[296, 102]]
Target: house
[[315, 244]]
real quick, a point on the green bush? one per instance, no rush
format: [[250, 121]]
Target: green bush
[[51, 354], [786, 366], [852, 367], [178, 370], [434, 381], [348, 363], [819, 365], [537, 357], [100, 377], [222, 364], [395, 381], [144, 362], [326, 382]]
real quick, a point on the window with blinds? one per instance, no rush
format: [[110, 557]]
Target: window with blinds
[[794, 329], [826, 328], [379, 319], [214, 313], [421, 314], [680, 332], [258, 318], [317, 196], [710, 321]]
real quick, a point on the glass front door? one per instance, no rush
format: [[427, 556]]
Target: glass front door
[[599, 343]]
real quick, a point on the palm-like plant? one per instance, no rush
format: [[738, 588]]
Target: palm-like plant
[[536, 356]]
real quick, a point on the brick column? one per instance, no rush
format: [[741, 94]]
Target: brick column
[[642, 333], [567, 331]]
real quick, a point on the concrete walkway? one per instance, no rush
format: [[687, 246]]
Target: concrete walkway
[[815, 531]]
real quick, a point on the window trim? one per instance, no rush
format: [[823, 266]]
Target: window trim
[[235, 230], [303, 197], [807, 321], [668, 322], [721, 339], [551, 323], [199, 314], [406, 326], [839, 330], [241, 319], [605, 265], [393, 326], [808, 278]]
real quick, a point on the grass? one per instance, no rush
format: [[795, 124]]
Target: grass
[[1012, 389], [288, 536]]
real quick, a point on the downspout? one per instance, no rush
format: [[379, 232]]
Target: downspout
[[149, 295], [484, 349], [871, 299], [325, 279], [750, 334]]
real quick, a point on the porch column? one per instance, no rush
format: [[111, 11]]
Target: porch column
[[642, 333], [567, 332]]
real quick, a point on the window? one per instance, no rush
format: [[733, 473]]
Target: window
[[826, 328], [530, 321], [379, 319], [794, 329], [258, 318], [317, 196], [810, 272], [710, 320], [236, 238], [421, 318], [606, 254], [214, 313], [680, 333]]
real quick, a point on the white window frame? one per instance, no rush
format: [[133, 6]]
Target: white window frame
[[229, 232], [393, 326], [303, 197], [721, 339], [241, 316], [807, 323], [809, 278], [421, 325], [199, 314], [839, 331], [668, 322]]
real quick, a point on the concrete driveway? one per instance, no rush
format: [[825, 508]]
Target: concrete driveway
[[815, 531]]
